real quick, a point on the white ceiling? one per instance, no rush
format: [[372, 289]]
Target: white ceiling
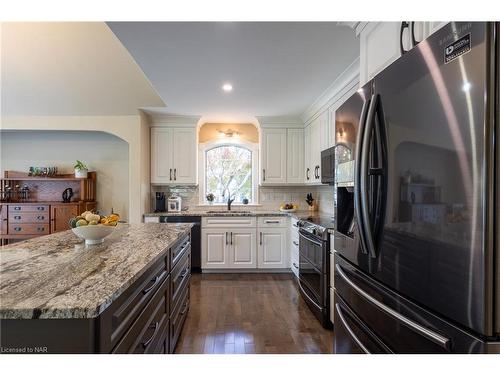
[[80, 68], [277, 69]]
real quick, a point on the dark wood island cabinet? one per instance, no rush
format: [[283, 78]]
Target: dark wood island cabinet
[[144, 317]]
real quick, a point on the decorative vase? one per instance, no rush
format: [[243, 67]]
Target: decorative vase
[[81, 173]]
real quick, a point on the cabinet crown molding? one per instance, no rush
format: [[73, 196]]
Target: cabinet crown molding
[[333, 92], [163, 119], [280, 122]]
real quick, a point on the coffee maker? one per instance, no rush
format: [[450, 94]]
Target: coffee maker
[[160, 202]]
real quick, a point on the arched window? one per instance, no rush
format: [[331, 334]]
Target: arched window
[[229, 173], [229, 170]]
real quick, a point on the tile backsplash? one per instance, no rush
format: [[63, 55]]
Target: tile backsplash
[[270, 198]]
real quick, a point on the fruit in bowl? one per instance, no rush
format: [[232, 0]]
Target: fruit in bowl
[[288, 207], [92, 227]]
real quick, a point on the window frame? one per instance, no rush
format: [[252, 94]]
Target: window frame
[[202, 158]]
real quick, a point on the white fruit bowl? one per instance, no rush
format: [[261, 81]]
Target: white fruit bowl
[[93, 234]]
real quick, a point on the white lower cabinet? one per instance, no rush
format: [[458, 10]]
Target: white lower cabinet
[[239, 243], [215, 248], [272, 248], [242, 249], [228, 248]]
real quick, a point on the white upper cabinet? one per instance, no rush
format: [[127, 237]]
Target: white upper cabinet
[[379, 47], [184, 156], [316, 137], [380, 43], [173, 155], [161, 155], [295, 156], [273, 156]]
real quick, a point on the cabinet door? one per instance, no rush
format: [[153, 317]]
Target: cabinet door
[[272, 248], [379, 47], [273, 156], [184, 156], [214, 248], [323, 131], [295, 156], [308, 174], [161, 155], [60, 215], [242, 249], [315, 149]]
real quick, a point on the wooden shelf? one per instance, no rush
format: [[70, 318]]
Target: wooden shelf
[[22, 176]]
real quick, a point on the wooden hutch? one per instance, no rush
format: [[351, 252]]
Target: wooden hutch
[[44, 212]]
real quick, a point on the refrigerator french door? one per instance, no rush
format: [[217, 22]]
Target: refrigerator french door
[[425, 186]]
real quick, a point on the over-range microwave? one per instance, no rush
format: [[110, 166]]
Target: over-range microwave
[[328, 166]]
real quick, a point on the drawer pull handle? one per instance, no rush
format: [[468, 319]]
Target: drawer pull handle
[[17, 217], [184, 309], [40, 229], [295, 243], [146, 343], [17, 229], [271, 221], [155, 281], [40, 217], [40, 208], [295, 265], [17, 208], [415, 327], [184, 273]]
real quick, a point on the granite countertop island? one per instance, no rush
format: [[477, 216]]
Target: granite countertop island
[[58, 277]]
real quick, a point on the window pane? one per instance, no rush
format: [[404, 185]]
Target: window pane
[[229, 171]]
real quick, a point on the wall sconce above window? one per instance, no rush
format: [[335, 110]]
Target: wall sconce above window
[[229, 133]]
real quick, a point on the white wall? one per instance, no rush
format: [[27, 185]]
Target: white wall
[[104, 153], [132, 129]]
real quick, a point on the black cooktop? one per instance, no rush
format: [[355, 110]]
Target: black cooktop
[[324, 221]]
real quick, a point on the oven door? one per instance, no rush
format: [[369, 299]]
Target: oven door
[[312, 249]]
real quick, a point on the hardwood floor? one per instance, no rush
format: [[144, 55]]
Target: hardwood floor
[[250, 313]]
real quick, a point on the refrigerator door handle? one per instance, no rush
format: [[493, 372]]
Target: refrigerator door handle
[[340, 314], [421, 330], [357, 161], [404, 25], [363, 177]]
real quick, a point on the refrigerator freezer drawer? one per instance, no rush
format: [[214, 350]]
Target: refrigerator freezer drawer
[[401, 325]]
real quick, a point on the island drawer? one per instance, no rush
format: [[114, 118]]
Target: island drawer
[[28, 229], [177, 252], [180, 276], [28, 208], [177, 319], [149, 330], [29, 217], [121, 314]]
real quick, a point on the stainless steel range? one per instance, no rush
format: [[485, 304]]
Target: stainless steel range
[[314, 265]]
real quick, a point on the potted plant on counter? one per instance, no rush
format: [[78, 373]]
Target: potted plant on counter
[[210, 198], [81, 170]]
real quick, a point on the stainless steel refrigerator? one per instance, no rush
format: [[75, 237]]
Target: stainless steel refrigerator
[[417, 267]]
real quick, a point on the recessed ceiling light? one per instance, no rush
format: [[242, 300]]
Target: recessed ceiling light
[[227, 87]]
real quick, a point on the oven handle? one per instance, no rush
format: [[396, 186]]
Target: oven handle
[[430, 335], [310, 239], [307, 295], [340, 314]]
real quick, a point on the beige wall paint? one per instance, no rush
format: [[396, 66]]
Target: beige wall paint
[[102, 152], [128, 128], [210, 132]]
